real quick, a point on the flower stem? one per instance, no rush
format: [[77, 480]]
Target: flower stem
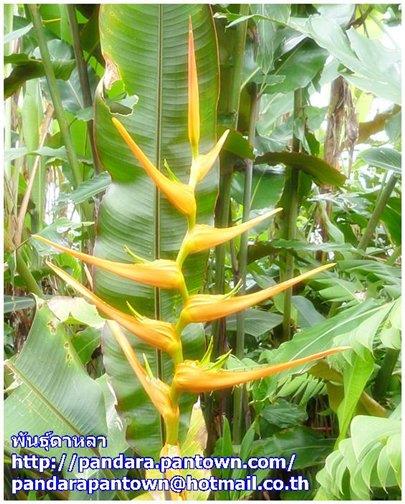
[[242, 269], [291, 212]]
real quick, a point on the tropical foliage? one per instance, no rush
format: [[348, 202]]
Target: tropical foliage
[[201, 203]]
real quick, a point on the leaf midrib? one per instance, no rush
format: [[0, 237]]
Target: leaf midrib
[[42, 397]]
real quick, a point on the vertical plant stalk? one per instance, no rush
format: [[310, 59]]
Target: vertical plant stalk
[[230, 109], [24, 204], [332, 147], [222, 210], [291, 212], [242, 268], [382, 201], [83, 76], [55, 95], [22, 268], [385, 372], [8, 27]]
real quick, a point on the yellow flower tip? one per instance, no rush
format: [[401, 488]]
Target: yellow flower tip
[[191, 377], [156, 333], [193, 96], [158, 392], [203, 163], [203, 237], [161, 273], [207, 307], [180, 195]]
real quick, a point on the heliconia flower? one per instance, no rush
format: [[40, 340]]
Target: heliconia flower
[[180, 195], [191, 377], [158, 391], [203, 163], [161, 273], [193, 96], [206, 307], [157, 333], [203, 237]]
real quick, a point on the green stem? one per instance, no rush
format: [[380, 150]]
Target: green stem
[[22, 268], [240, 42], [26, 275], [229, 108], [83, 75], [291, 212], [323, 371], [372, 407], [8, 27], [55, 95], [384, 374], [382, 201], [242, 269]]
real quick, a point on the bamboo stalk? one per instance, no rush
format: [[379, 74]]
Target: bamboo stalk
[[55, 95], [291, 212], [385, 372], [83, 76], [229, 108], [22, 268], [381, 203], [27, 194], [222, 210], [242, 269]]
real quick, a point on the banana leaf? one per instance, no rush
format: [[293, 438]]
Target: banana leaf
[[145, 49]]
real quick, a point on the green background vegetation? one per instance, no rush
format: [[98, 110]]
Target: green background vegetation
[[311, 94]]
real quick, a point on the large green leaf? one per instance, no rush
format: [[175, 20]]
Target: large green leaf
[[145, 46], [370, 459], [257, 322], [355, 376], [27, 68], [54, 391], [309, 446], [320, 170], [382, 157], [298, 67], [16, 303], [343, 329], [359, 54]]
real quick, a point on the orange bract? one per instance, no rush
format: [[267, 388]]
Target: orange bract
[[203, 237], [206, 307], [203, 163], [154, 332], [180, 195], [158, 391], [190, 377], [193, 96], [160, 273]]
